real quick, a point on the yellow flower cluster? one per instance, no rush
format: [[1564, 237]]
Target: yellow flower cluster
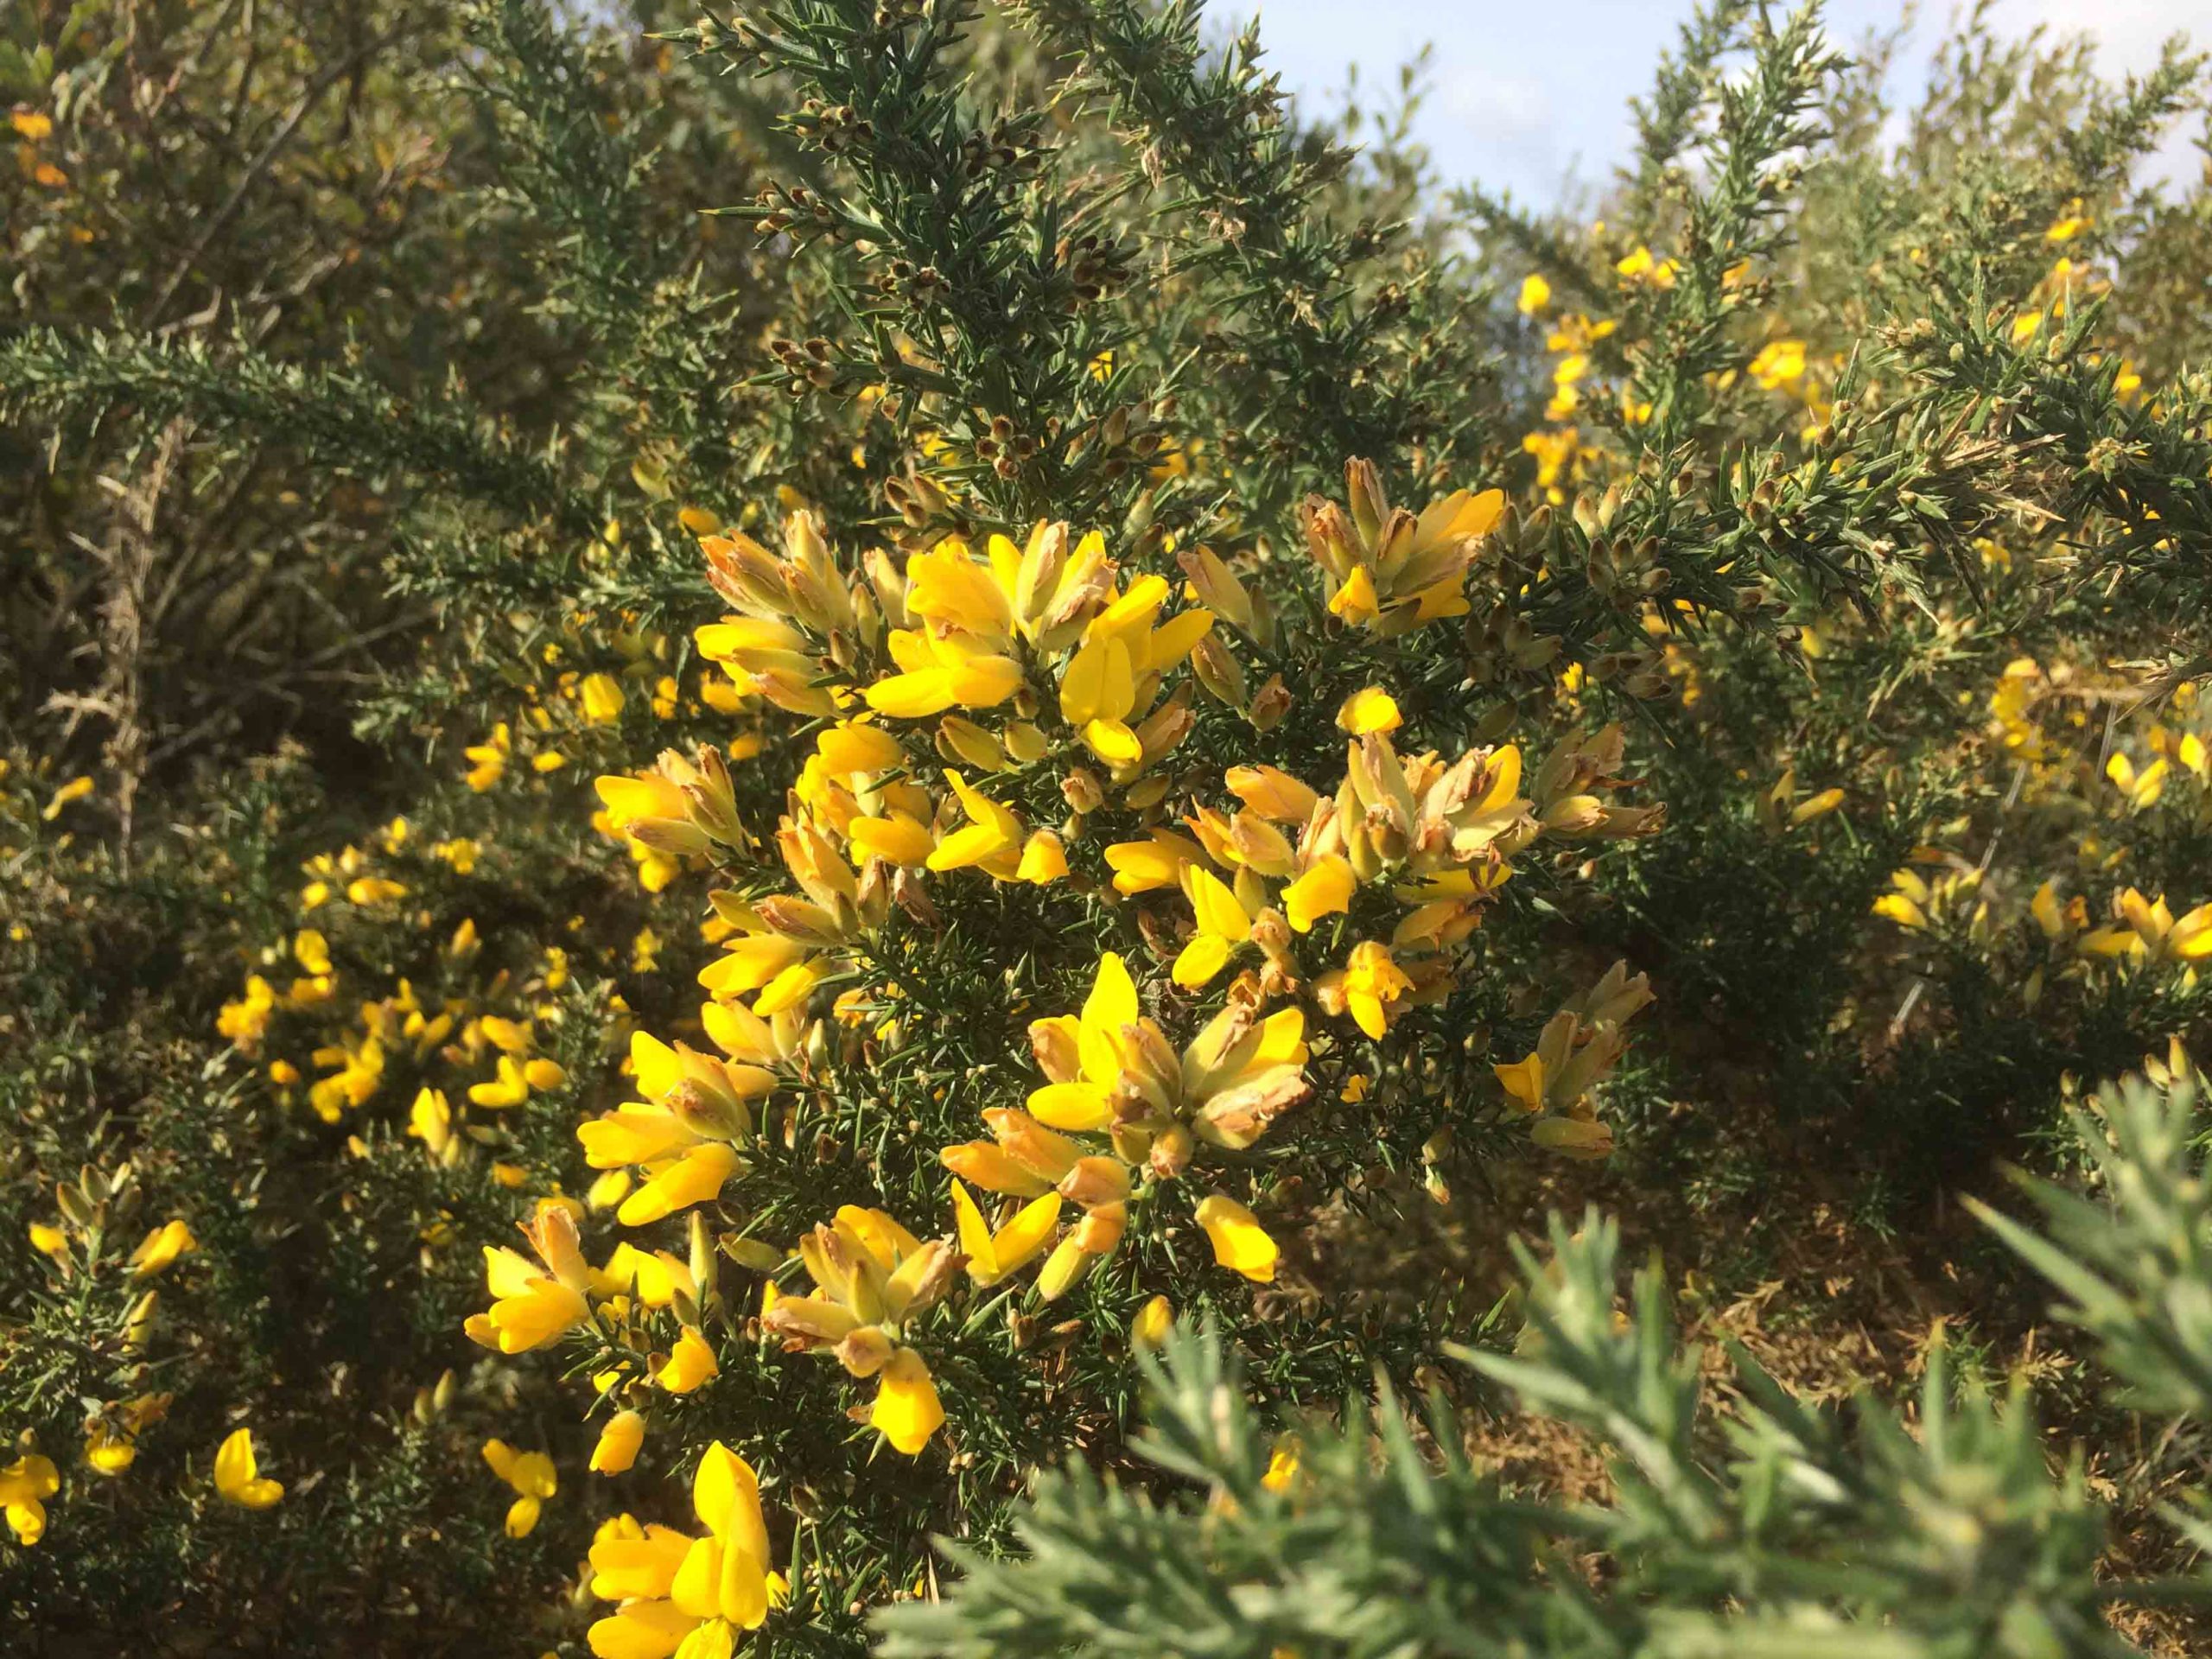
[[82, 1249], [489, 1036], [972, 705]]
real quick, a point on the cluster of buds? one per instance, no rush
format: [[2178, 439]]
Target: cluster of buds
[[871, 1279], [1780, 809], [834, 127], [801, 624], [919, 285], [920, 502], [1009, 148], [1394, 570], [1626, 574], [2145, 932], [1123, 1105], [92, 1207], [1563, 793], [776, 949], [1641, 674], [1005, 449], [799, 213], [680, 808], [1127, 436], [1501, 644], [1095, 265], [1578, 1050], [806, 363]]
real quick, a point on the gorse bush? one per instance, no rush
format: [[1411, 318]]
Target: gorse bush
[[762, 773]]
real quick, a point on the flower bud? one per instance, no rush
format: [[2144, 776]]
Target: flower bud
[[1270, 704]]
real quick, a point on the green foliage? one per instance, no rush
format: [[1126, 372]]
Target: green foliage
[[368, 381], [1747, 1526]]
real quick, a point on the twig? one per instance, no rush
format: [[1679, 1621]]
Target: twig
[[220, 219]]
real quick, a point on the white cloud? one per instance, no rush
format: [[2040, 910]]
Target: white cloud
[[1497, 109]]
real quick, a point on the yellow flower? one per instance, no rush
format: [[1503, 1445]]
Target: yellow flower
[[2141, 788], [897, 839], [1369, 710], [1815, 806], [1146, 866], [75, 790], [1779, 363], [24, 1486], [1240, 1243], [694, 1178], [160, 1247], [508, 1087], [602, 699], [618, 1443], [1043, 859], [529, 1307], [531, 1475], [508, 1036], [992, 837], [906, 1410], [1115, 674], [108, 1451], [1324, 890], [237, 1475], [1639, 265], [1224, 922], [688, 1595], [871, 1278], [1097, 693], [1079, 1098], [1373, 985], [112, 1439], [689, 1364], [1524, 1081], [1111, 1067], [430, 1119], [1153, 1320], [941, 671], [2151, 931], [1907, 904], [1536, 295], [690, 1097], [311, 951], [656, 1278], [488, 759], [993, 1255], [1394, 571]]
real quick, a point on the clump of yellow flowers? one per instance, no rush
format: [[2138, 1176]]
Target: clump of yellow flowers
[[984, 741]]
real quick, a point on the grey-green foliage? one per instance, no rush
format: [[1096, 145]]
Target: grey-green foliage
[[2135, 1262], [1742, 1521]]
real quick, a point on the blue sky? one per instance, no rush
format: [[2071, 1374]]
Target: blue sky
[[1526, 95]]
